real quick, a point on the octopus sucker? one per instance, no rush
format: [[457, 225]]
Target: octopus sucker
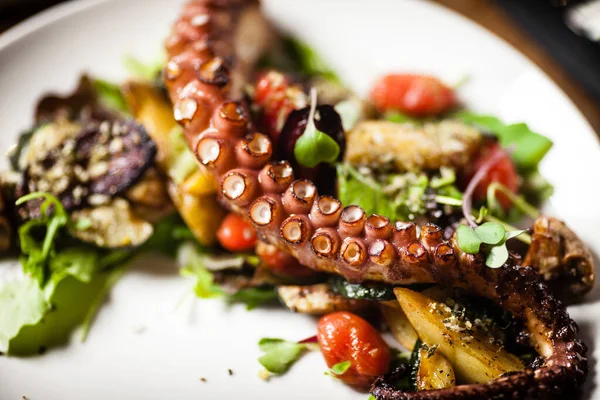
[[210, 58]]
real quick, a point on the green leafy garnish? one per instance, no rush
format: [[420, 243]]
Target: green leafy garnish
[[37, 253], [400, 118], [340, 368], [280, 354], [529, 147], [307, 60], [519, 203], [144, 70], [492, 236], [313, 146], [205, 287], [254, 297], [350, 112], [110, 95], [397, 197]]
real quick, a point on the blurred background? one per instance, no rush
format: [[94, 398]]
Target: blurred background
[[561, 36]]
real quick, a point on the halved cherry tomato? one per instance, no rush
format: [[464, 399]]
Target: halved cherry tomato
[[277, 98], [235, 234], [281, 262], [503, 172], [416, 95], [344, 336]]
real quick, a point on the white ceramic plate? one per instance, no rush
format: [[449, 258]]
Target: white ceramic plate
[[141, 346]]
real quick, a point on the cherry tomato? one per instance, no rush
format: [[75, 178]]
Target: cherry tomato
[[277, 98], [416, 95], [281, 262], [344, 336], [503, 172], [235, 234]]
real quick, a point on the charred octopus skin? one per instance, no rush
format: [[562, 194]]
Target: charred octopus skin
[[210, 50]]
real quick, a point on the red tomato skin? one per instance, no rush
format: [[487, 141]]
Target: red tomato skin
[[277, 97], [235, 234], [344, 336], [503, 171], [415, 95], [281, 263]]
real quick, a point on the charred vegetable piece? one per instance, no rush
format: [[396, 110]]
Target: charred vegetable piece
[[475, 356], [399, 324], [113, 225], [409, 148], [561, 257], [362, 291], [317, 299], [87, 168], [434, 370], [83, 105]]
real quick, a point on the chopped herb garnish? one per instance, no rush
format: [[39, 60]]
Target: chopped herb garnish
[[280, 354], [313, 146]]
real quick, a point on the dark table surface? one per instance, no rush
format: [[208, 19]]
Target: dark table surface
[[532, 26]]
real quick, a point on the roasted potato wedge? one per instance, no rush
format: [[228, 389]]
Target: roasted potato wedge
[[192, 189], [475, 356], [434, 370], [409, 147], [399, 324]]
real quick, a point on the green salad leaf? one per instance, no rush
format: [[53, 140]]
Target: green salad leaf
[[340, 368], [144, 70], [205, 287], [110, 95], [313, 146], [62, 286], [279, 355], [254, 297], [307, 60], [529, 147], [492, 235]]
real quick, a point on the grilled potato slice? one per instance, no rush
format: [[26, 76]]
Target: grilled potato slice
[[475, 356], [409, 147], [434, 371], [399, 324]]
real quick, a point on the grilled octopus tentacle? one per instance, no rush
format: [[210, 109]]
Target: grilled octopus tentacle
[[211, 51]]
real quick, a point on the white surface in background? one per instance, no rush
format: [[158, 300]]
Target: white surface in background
[[141, 347]]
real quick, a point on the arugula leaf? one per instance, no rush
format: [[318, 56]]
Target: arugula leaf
[[110, 95], [340, 368], [307, 60], [529, 147], [35, 254], [253, 297], [144, 70], [313, 146], [280, 354]]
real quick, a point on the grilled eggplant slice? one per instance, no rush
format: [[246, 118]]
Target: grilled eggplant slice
[[317, 300], [476, 357], [86, 167]]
